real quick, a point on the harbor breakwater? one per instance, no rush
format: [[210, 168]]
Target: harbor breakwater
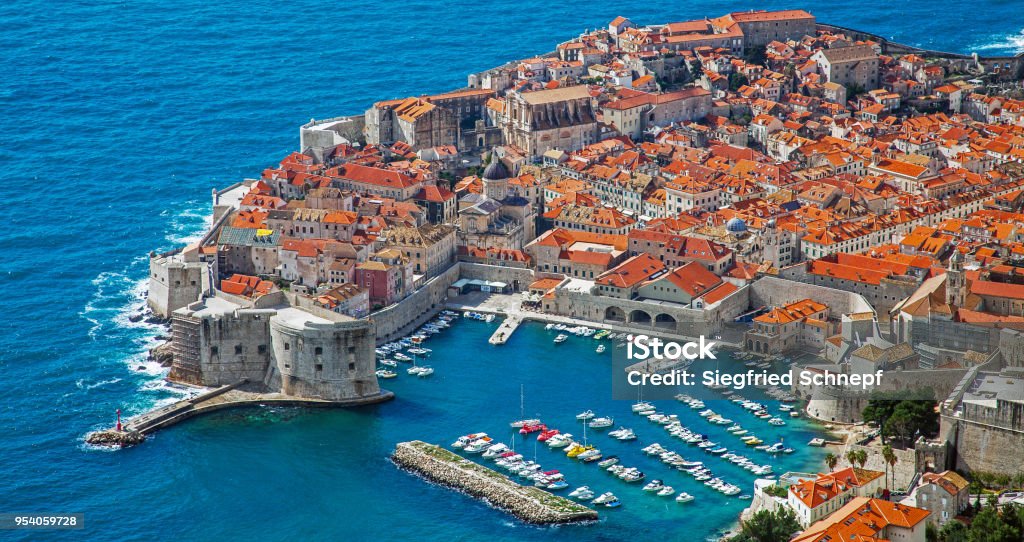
[[529, 504]]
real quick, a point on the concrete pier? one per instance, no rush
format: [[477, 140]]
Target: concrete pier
[[505, 330], [135, 429]]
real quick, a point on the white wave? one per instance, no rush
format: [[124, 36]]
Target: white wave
[[1013, 43], [83, 386], [188, 226], [120, 296]]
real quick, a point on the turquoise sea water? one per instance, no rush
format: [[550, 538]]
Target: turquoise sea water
[[116, 118]]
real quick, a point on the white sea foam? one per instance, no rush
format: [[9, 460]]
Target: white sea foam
[[189, 225], [120, 296], [1013, 43], [82, 385]]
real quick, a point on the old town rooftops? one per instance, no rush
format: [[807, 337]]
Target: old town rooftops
[[562, 94], [632, 272], [793, 312], [693, 278], [862, 519], [373, 176], [643, 99]]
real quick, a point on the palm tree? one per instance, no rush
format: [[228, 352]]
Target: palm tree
[[862, 458], [831, 460], [889, 456], [851, 457]]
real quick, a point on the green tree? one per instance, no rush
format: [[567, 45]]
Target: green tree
[[831, 460], [696, 69], [905, 416], [1013, 516], [769, 526], [988, 526], [737, 80], [953, 531], [756, 55]]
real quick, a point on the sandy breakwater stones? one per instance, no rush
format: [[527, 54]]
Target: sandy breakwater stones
[[530, 504]]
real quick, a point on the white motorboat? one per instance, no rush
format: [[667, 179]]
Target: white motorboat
[[496, 450], [654, 485], [425, 371], [604, 498], [577, 491], [384, 373], [600, 423], [560, 441], [641, 406], [684, 497], [653, 449], [462, 441], [477, 446], [414, 370], [585, 415], [388, 362], [402, 357], [561, 338], [520, 423], [666, 491], [601, 348]]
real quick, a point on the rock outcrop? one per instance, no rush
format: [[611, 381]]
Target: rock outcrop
[[162, 354], [530, 504], [113, 437]]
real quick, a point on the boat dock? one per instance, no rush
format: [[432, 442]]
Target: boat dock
[[135, 429], [529, 504], [507, 306], [505, 330]]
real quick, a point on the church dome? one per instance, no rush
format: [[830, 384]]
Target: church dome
[[735, 225], [495, 171]]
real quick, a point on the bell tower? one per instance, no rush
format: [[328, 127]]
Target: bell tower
[[956, 287]]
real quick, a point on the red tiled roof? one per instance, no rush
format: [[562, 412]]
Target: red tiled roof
[[631, 272]]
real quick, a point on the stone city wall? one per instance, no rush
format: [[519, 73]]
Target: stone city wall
[[518, 279], [775, 292], [402, 318], [655, 317], [987, 448]]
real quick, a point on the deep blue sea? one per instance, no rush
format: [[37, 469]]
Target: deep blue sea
[[116, 120]]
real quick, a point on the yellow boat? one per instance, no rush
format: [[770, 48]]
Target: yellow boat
[[754, 442], [577, 450]]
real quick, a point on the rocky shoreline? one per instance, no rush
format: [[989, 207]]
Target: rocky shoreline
[[529, 504]]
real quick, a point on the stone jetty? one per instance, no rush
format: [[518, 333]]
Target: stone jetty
[[530, 504]]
